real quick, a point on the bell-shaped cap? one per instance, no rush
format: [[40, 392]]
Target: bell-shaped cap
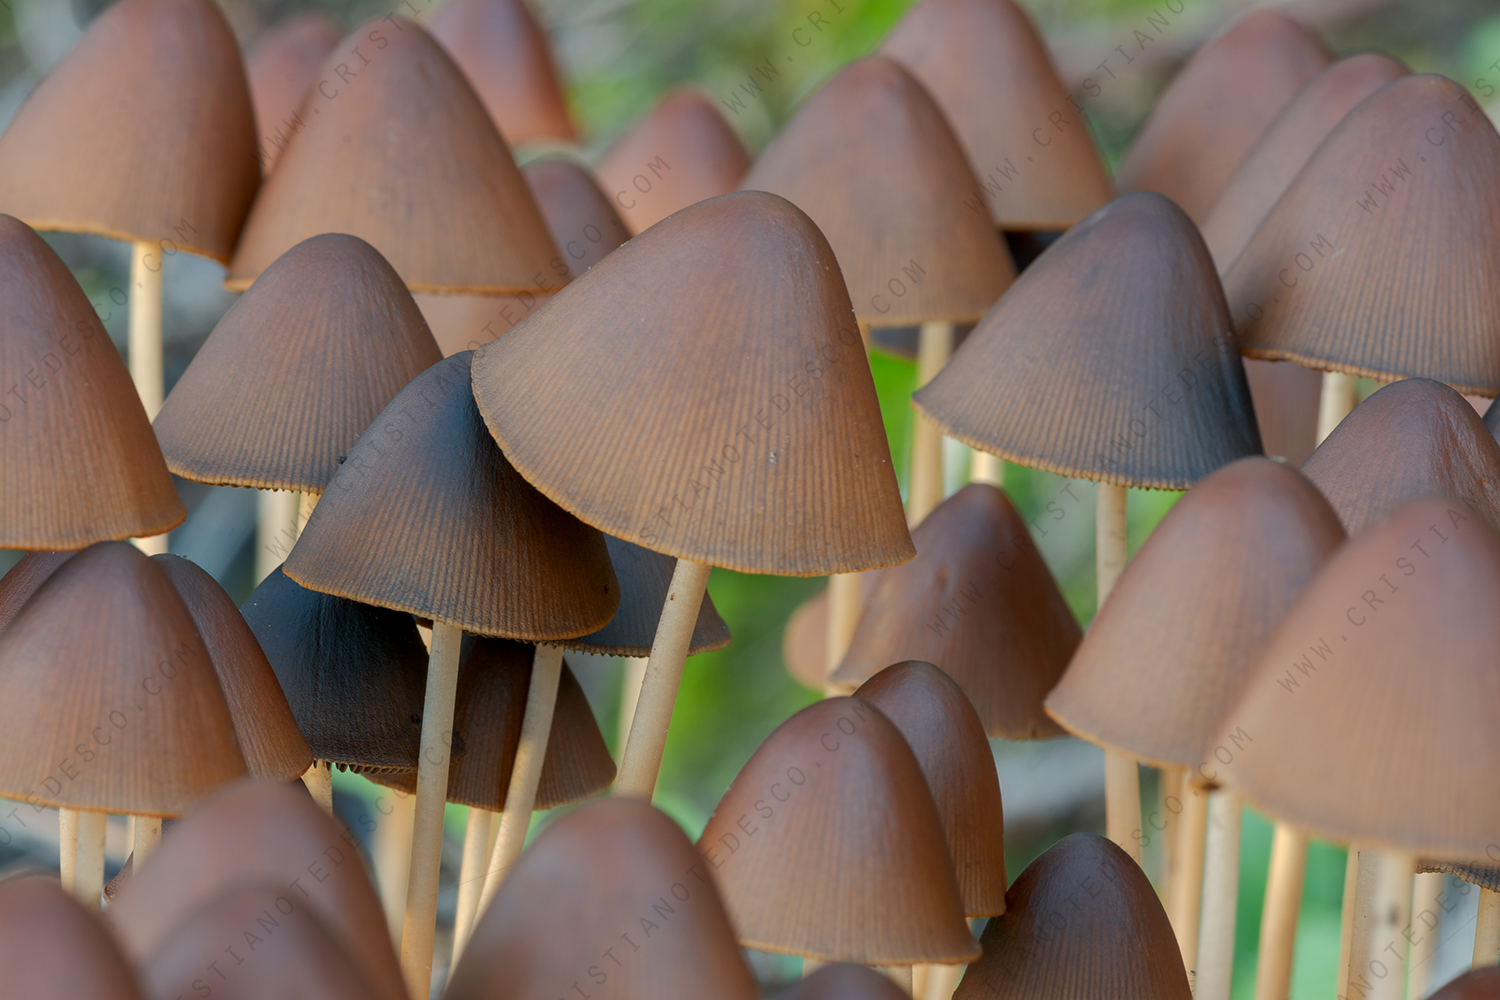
[[1175, 643], [1111, 358], [354, 675], [427, 516], [1370, 715], [397, 150], [108, 696], [870, 157], [642, 877], [980, 603], [504, 54], [720, 404], [1482, 983], [987, 67], [1408, 440], [51, 948], [945, 733], [1081, 922], [278, 946], [269, 739], [681, 153], [1382, 258], [828, 845], [281, 67], [1216, 106], [23, 579], [841, 981], [645, 577], [252, 834], [1269, 165], [296, 370], [78, 461], [160, 85]]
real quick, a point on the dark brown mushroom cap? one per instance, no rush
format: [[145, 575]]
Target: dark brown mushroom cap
[[51, 948], [903, 225], [504, 54], [160, 84], [1175, 643], [979, 602], [645, 577], [354, 675], [108, 696], [681, 153], [296, 370], [1111, 358], [828, 844], [1408, 440], [280, 68], [643, 878], [945, 733], [989, 70], [720, 404], [17, 586], [404, 156], [1486, 876], [78, 461], [841, 981], [1344, 273], [1082, 921], [583, 223], [1215, 107], [1370, 713], [1476, 984], [257, 833], [427, 516]]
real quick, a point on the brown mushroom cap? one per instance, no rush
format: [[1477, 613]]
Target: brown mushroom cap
[[78, 461], [51, 948], [1476, 984], [720, 405], [160, 85], [645, 578], [23, 579], [904, 225], [841, 981], [1486, 876], [281, 67]]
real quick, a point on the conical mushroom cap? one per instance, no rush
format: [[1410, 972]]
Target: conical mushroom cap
[[945, 733], [78, 461], [841, 981], [296, 370], [17, 586], [284, 950], [720, 405], [1082, 921], [354, 675], [427, 516], [1486, 876], [106, 657], [406, 159], [160, 84], [281, 68], [645, 577], [51, 948], [273, 747], [1370, 715], [1174, 645], [988, 69], [257, 833], [1477, 984], [1215, 107], [870, 157], [682, 153], [979, 602], [828, 845], [1111, 358], [1350, 279], [504, 54], [644, 878], [1408, 440], [1271, 164]]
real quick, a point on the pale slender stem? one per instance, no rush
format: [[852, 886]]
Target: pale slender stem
[[1339, 396], [919, 981], [925, 482], [1382, 975], [1346, 917], [845, 595], [632, 673], [145, 838], [1426, 887], [987, 468], [306, 504], [1122, 802], [393, 855], [471, 877], [275, 531], [67, 846], [942, 980], [144, 347], [1169, 786], [641, 761], [1221, 882], [1358, 904], [1109, 543], [1278, 920], [88, 875], [1487, 930], [420, 926], [318, 780], [520, 797], [1185, 903]]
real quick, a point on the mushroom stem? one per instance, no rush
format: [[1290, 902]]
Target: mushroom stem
[[1278, 921], [925, 482], [145, 838], [1425, 887], [987, 468], [1221, 883], [1109, 542], [844, 598], [88, 875], [318, 779], [275, 530], [471, 877], [1487, 929], [632, 673], [641, 761], [393, 857], [1339, 397], [67, 846], [1122, 802], [144, 347], [432, 794], [1382, 974], [1359, 878], [942, 980], [1186, 898]]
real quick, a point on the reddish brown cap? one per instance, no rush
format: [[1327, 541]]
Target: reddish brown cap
[[1476, 984], [281, 68], [828, 845], [78, 461], [51, 948], [989, 70], [682, 153], [645, 578], [870, 157], [23, 579], [1215, 107]]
